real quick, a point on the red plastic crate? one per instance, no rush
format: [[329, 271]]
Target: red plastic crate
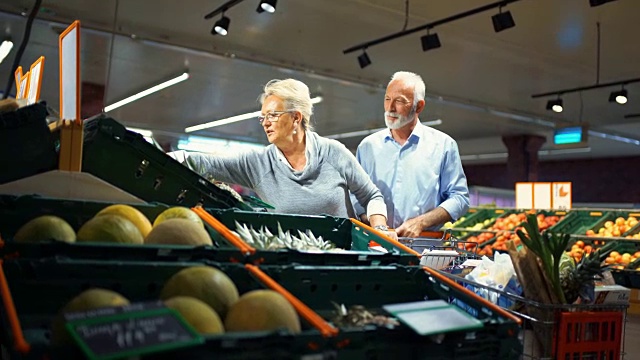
[[589, 335]]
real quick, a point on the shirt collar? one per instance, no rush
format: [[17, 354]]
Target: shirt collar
[[307, 152], [415, 136]]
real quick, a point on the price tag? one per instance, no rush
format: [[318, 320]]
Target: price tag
[[115, 333]]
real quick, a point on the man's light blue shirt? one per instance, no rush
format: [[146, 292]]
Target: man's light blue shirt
[[416, 177]]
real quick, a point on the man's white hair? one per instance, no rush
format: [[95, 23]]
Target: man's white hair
[[411, 80], [295, 95]]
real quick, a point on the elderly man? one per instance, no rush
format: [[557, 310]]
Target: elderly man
[[417, 168]]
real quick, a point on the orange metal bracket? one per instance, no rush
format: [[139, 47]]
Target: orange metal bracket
[[395, 243], [311, 316], [224, 231], [19, 341]]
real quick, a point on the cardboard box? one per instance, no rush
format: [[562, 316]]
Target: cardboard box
[[612, 294]]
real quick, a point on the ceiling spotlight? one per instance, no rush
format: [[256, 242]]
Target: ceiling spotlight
[[430, 41], [595, 3], [267, 5], [619, 96], [364, 60], [221, 26], [555, 105], [502, 21]]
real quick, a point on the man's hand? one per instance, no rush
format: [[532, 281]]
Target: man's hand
[[391, 234], [410, 228]]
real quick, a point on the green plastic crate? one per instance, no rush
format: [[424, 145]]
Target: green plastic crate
[[315, 286], [15, 211], [579, 221], [612, 216], [340, 231], [124, 159]]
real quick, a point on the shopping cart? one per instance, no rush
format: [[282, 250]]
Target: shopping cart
[[561, 331], [442, 250]]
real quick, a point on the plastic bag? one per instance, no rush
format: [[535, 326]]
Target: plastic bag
[[498, 274]]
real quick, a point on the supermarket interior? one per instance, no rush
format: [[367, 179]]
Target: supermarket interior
[[336, 179]]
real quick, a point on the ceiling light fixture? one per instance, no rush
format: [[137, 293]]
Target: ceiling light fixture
[[506, 21], [363, 59], [502, 21], [430, 42], [555, 105], [267, 5], [595, 3], [149, 91], [236, 118], [619, 96], [351, 134], [221, 26], [5, 48]]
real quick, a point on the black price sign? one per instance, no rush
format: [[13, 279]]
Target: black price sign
[[127, 332]]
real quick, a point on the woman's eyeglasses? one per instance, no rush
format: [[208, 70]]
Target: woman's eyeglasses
[[273, 116]]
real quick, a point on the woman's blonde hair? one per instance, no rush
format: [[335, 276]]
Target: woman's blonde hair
[[295, 95]]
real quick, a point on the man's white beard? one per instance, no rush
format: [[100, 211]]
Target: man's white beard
[[400, 121]]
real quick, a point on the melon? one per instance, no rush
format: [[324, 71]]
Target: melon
[[130, 213], [46, 227], [197, 314], [110, 228], [178, 212], [262, 310], [91, 299], [179, 232], [204, 283]]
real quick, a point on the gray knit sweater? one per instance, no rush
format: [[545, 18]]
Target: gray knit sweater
[[322, 187]]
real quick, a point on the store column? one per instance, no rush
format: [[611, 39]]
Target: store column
[[92, 99], [522, 163]]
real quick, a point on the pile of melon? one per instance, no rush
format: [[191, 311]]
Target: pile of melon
[[206, 298], [122, 224]]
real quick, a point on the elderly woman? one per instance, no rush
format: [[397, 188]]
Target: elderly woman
[[300, 172]]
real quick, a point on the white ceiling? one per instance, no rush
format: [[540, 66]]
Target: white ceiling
[[479, 83]]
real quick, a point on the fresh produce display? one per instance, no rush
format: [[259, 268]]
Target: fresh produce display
[[506, 231], [179, 231], [358, 315], [46, 227], [260, 310], [568, 280], [616, 228], [122, 224], [264, 239], [575, 279], [205, 297]]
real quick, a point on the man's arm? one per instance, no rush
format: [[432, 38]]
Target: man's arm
[[413, 227], [454, 191]]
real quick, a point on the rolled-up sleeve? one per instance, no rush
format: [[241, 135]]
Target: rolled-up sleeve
[[453, 184]]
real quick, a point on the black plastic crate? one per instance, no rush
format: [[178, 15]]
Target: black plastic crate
[[124, 159], [341, 231], [39, 288], [317, 287], [27, 146], [15, 211]]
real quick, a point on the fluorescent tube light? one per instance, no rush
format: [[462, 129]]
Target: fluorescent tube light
[[5, 48], [149, 91], [210, 145], [236, 118], [371, 131]]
